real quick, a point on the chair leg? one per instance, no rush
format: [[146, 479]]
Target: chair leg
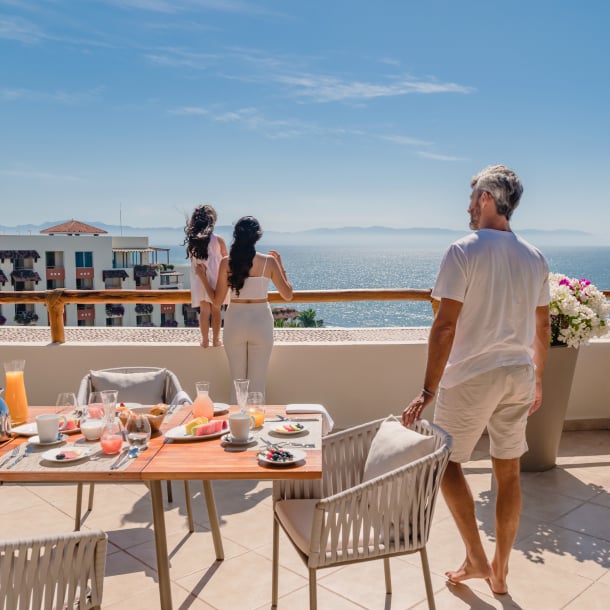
[[189, 510], [170, 497], [388, 575], [313, 599], [427, 580], [79, 506], [213, 516], [276, 558]]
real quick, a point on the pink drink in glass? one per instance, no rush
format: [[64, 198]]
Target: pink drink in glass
[[111, 444]]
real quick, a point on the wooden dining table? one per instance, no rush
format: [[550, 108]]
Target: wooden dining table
[[170, 460]]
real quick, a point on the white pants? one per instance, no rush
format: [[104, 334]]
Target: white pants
[[248, 341]]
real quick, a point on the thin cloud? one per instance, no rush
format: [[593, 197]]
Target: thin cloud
[[22, 30], [405, 140], [331, 89], [183, 6], [189, 111], [437, 157], [172, 57]]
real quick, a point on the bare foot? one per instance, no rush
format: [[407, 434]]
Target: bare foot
[[497, 580], [217, 343], [205, 344], [468, 570]]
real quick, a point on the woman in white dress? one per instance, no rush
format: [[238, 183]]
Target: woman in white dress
[[205, 251]]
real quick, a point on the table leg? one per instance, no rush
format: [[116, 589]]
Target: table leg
[[213, 516], [165, 592]]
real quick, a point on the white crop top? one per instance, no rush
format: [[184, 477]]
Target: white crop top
[[254, 288]]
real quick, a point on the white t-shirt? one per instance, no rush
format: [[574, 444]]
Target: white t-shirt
[[500, 279], [198, 291]]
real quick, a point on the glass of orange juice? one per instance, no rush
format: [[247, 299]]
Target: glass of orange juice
[[255, 406], [15, 395]]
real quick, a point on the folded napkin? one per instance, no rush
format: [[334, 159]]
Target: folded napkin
[[327, 420]]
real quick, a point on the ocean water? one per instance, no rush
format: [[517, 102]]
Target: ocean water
[[336, 267]]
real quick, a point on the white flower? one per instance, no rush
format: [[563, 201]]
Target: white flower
[[579, 311]]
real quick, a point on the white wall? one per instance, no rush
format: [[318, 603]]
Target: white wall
[[356, 382]]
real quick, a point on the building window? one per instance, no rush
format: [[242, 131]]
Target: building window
[[85, 283], [83, 259]]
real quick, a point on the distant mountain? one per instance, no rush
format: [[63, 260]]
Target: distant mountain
[[343, 236]]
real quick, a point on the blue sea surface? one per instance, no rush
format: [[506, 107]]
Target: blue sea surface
[[337, 267]]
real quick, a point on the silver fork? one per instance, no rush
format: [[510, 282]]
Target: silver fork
[[28, 450]]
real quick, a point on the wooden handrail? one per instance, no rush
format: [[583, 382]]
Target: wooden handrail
[[55, 300]]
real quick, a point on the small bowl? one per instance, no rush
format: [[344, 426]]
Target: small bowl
[[155, 421]]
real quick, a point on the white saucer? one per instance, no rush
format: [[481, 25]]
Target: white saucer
[[79, 454], [220, 408], [35, 440], [227, 438]]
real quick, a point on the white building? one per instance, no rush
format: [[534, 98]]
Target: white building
[[77, 256]]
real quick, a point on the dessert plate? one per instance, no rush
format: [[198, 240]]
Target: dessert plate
[[179, 434], [289, 429], [71, 454], [297, 456]]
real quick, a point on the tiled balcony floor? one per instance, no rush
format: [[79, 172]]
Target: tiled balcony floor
[[561, 559]]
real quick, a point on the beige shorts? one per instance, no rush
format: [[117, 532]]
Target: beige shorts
[[499, 400]]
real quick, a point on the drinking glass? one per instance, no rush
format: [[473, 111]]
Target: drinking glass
[[255, 407], [109, 398], [66, 401], [95, 405], [138, 430], [241, 392]]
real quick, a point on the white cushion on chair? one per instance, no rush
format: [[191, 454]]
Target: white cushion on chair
[[297, 516], [394, 446], [144, 387]]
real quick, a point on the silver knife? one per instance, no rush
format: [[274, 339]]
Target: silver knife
[[10, 455], [18, 459]]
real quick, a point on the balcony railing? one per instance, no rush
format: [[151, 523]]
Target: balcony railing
[[55, 300]]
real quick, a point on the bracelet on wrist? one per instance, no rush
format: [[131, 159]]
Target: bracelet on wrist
[[428, 393]]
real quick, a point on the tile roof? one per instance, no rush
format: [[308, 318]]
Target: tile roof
[[73, 227]]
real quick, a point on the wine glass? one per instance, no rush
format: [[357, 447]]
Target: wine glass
[[67, 403], [241, 392], [137, 430]]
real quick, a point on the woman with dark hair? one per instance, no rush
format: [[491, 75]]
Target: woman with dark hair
[[248, 329], [205, 250]]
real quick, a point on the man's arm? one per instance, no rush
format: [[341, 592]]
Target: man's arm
[[440, 343], [541, 348]]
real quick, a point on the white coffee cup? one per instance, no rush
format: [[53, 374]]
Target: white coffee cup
[[239, 426], [48, 426], [92, 428]]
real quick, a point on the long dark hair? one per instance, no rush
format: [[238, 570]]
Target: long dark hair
[[246, 233], [198, 231]]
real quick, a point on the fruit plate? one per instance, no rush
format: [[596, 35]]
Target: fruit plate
[[32, 430], [289, 429], [179, 434], [71, 454], [297, 456]]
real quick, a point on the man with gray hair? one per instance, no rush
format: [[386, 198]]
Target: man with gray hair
[[486, 355]]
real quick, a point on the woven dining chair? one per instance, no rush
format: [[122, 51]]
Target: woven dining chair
[[157, 385], [340, 519], [53, 572]]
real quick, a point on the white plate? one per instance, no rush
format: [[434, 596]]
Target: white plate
[[51, 454], [281, 430], [129, 405], [179, 434], [297, 456], [220, 408], [26, 429], [35, 440], [227, 438]]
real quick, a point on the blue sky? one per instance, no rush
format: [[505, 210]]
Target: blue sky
[[304, 113]]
